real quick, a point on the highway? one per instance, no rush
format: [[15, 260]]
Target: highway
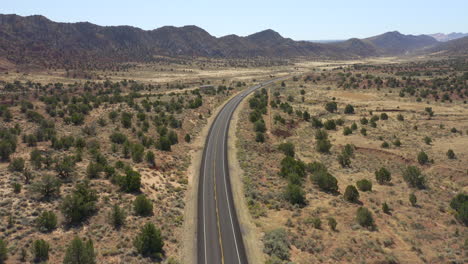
[[219, 237]]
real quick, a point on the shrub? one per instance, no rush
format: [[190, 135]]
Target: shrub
[[131, 182], [163, 144], [451, 154], [413, 200], [427, 140], [47, 221], [260, 137], [36, 158], [149, 241], [142, 206], [423, 158], [150, 158], [385, 144], [363, 131], [187, 138], [47, 187], [16, 164], [325, 181], [3, 251], [65, 167], [126, 119], [383, 176], [137, 152], [118, 138], [351, 194], [330, 124], [349, 109], [323, 146], [364, 185], [354, 126], [294, 194], [16, 187], [316, 123], [331, 107], [385, 208], [460, 204], [80, 205], [287, 148], [117, 216], [276, 244], [344, 160], [93, 170], [332, 223], [413, 177], [364, 217], [397, 143], [347, 131], [41, 250], [80, 252], [383, 116], [259, 126], [364, 121], [400, 117]]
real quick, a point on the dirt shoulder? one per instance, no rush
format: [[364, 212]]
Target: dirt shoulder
[[250, 234]]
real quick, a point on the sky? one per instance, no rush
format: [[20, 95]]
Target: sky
[[296, 19]]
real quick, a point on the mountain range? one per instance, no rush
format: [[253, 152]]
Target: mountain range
[[447, 37], [38, 40]]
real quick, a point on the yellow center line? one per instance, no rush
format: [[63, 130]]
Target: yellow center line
[[216, 199]]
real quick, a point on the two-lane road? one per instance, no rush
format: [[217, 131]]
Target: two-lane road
[[219, 238]]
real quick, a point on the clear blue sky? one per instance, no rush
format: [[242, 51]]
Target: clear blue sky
[[297, 19]]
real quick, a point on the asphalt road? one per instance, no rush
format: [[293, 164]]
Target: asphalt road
[[219, 237]]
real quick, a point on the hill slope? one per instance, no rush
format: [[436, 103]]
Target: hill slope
[[38, 40]]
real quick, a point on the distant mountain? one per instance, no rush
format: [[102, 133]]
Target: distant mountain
[[38, 40], [395, 43], [453, 47], [447, 37]]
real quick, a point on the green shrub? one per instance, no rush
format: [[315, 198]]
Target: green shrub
[[149, 241], [351, 194], [413, 200], [187, 138], [150, 159], [47, 221], [41, 250], [385, 144], [16, 187], [423, 158], [323, 146], [383, 176], [325, 181], [80, 205], [330, 124], [118, 138], [364, 217], [80, 252], [294, 194], [142, 206], [117, 216], [16, 164], [383, 116], [260, 137], [347, 131], [131, 182], [287, 148], [354, 126], [276, 244], [363, 131], [126, 119], [163, 144], [427, 140], [364, 185], [331, 107], [400, 117], [413, 177], [332, 223], [451, 154], [47, 187], [385, 208], [364, 121], [316, 123], [93, 170], [3, 251], [349, 109], [460, 204]]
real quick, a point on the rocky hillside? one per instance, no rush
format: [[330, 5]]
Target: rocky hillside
[[38, 40]]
